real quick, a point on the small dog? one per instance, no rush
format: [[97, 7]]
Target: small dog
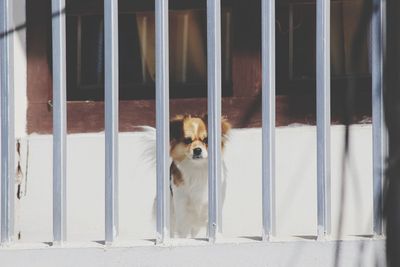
[[189, 173]]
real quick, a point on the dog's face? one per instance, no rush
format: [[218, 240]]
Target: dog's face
[[188, 138]]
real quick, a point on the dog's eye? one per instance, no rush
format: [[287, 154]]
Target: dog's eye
[[205, 140], [187, 140]]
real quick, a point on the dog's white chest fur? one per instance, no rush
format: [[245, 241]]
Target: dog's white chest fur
[[189, 204]]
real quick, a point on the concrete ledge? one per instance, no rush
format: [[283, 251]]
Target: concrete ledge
[[364, 253]]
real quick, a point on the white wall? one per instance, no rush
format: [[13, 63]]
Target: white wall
[[295, 185]]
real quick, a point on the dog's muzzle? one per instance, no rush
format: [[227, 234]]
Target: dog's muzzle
[[197, 153]]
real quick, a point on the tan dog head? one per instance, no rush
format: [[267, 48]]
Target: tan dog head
[[189, 138]]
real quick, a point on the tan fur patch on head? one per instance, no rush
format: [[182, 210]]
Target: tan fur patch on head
[[194, 128]]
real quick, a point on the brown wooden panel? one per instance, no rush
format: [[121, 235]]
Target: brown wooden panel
[[89, 116], [242, 112]]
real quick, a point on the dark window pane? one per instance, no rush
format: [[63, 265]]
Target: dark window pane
[[129, 51], [90, 51], [188, 54]]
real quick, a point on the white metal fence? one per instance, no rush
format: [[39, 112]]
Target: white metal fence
[[162, 118]]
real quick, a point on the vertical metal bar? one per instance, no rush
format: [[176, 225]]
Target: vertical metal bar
[[59, 122], [323, 73], [162, 121], [111, 119], [214, 117], [378, 127], [268, 118], [7, 122]]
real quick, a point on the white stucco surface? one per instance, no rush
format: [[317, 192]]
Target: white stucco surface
[[295, 185]]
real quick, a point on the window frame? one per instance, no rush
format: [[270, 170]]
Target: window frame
[[128, 91], [243, 109]]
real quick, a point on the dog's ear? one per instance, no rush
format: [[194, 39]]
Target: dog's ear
[[176, 128], [225, 127], [204, 117]]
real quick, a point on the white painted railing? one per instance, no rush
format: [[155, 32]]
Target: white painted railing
[[162, 119]]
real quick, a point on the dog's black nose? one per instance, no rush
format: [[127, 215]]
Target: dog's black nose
[[197, 151]]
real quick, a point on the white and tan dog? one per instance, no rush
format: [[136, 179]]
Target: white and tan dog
[[189, 174]]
